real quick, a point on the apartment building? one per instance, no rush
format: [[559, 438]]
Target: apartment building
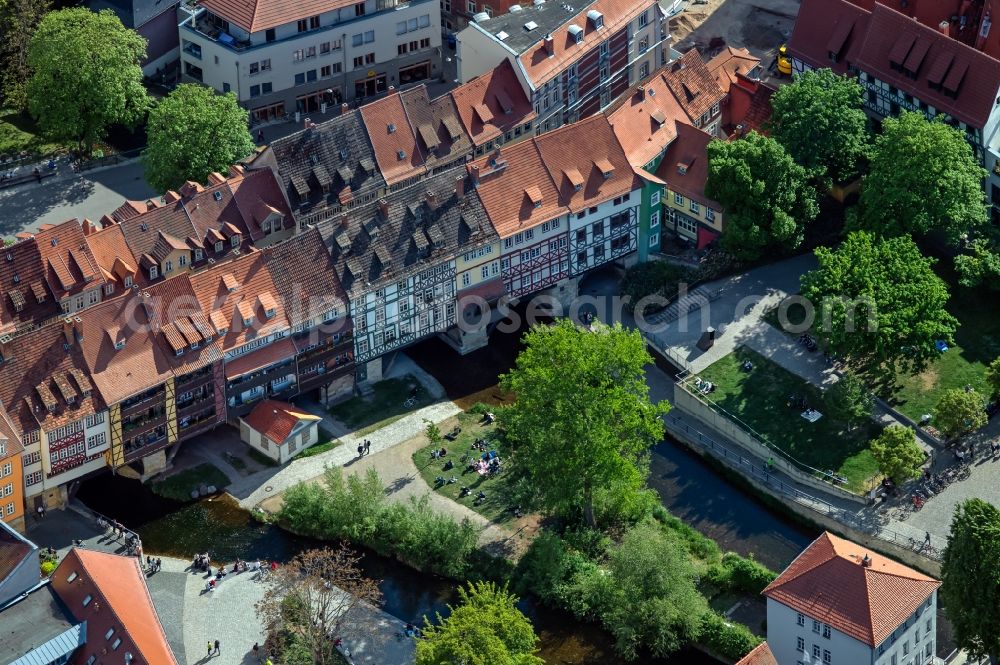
[[11, 476], [46, 275], [904, 64], [839, 603], [396, 260], [572, 58], [688, 213], [282, 57]]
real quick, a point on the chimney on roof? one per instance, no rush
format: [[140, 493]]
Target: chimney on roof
[[236, 171], [431, 199], [216, 178], [152, 203], [460, 186], [641, 91], [550, 44], [308, 123], [866, 562], [170, 196], [88, 227], [68, 329], [944, 27], [344, 108], [392, 89], [475, 176], [383, 208], [345, 220]]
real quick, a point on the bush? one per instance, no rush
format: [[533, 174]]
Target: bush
[[355, 509], [654, 278], [726, 639], [746, 575], [47, 568]]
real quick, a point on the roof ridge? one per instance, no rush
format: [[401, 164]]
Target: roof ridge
[[775, 584]]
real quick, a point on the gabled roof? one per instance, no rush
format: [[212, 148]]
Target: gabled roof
[[437, 126], [15, 550], [730, 64], [761, 655], [690, 149], [586, 163], [497, 90], [277, 420], [692, 84], [256, 15], [113, 255], [952, 77], [370, 246], [818, 23], [644, 119], [860, 593], [396, 150], [305, 277], [340, 146], [120, 601]]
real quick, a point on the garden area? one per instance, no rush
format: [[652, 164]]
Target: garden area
[[18, 133], [460, 454], [180, 486], [759, 398], [390, 400]]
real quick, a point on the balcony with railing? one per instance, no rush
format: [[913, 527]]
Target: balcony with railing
[[199, 376], [137, 424], [197, 422], [259, 377], [142, 400], [145, 444]]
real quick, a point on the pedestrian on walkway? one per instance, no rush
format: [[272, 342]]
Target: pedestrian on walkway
[[260, 136], [256, 652], [361, 449], [927, 538], [770, 463], [368, 446], [209, 648], [217, 647], [41, 511]]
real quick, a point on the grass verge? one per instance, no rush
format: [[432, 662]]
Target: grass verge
[[326, 442], [18, 133], [759, 398], [385, 405], [180, 485]]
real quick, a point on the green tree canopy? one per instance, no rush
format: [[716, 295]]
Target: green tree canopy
[[766, 195], [993, 378], [959, 412], [653, 600], [193, 132], [820, 121], [924, 177], [849, 400], [879, 301], [86, 75], [485, 629], [898, 454], [582, 422], [979, 264], [970, 578], [18, 20]]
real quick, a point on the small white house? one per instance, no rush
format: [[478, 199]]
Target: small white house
[[840, 604], [279, 430]]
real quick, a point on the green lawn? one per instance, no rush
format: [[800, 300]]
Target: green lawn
[[18, 132], [386, 405], [760, 399], [326, 442], [978, 343], [180, 485], [496, 506]]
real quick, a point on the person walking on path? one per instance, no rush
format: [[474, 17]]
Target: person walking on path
[[209, 649], [368, 446], [927, 538], [256, 652], [217, 650], [361, 450]]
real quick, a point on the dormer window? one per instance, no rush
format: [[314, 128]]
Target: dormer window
[[269, 313], [576, 34], [218, 247], [120, 344], [169, 266], [179, 352], [182, 260], [199, 254], [194, 345], [682, 168], [248, 321], [235, 240], [128, 281], [154, 272]]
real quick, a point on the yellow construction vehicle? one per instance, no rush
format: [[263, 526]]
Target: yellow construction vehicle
[[784, 62]]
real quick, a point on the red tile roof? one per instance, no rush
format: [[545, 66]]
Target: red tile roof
[[761, 655], [256, 15], [693, 84], [974, 77], [396, 150], [818, 22], [113, 255], [276, 420], [689, 149], [496, 90], [437, 125], [120, 601], [576, 157], [729, 63], [539, 67], [644, 120], [829, 582], [305, 277]]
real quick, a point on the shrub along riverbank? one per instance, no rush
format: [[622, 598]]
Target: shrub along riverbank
[[650, 586]]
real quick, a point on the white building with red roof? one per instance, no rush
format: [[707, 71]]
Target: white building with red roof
[[279, 430], [839, 602]]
